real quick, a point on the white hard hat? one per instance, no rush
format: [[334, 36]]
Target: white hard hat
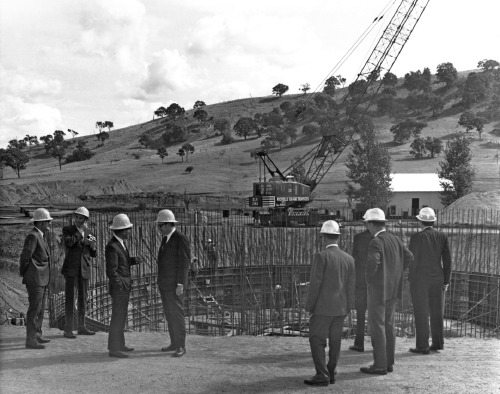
[[427, 214], [330, 227], [166, 216], [120, 222], [41, 215], [82, 211], [375, 215]]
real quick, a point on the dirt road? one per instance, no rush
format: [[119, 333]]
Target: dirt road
[[235, 365]]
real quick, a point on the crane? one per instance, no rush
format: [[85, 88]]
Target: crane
[[282, 194]]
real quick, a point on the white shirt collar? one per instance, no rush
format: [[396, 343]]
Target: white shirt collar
[[169, 235], [381, 231], [330, 245], [40, 231], [120, 240]]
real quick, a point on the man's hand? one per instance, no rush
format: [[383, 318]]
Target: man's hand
[[445, 287], [179, 290]]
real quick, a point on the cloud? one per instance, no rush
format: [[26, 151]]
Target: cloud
[[28, 87]]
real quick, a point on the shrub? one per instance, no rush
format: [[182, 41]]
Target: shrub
[[79, 154]]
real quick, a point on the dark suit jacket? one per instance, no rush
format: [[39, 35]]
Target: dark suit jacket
[[332, 283], [174, 258], [360, 254], [118, 264], [429, 248], [34, 262], [78, 252], [387, 259]]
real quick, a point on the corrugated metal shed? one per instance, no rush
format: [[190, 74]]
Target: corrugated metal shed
[[415, 183]]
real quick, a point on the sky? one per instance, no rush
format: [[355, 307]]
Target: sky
[[66, 64]]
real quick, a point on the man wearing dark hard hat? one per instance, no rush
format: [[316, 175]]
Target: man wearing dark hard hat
[[81, 248], [174, 257], [429, 277], [34, 267], [330, 298], [387, 259], [118, 262]]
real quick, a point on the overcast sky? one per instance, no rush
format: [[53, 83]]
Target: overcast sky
[[66, 64]]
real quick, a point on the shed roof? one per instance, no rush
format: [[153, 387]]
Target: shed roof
[[415, 183]]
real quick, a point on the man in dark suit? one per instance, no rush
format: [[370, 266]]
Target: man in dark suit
[[330, 298], [80, 249], [360, 254], [34, 267], [428, 279], [387, 259], [118, 262], [174, 257]]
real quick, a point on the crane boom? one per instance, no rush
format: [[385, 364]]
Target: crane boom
[[382, 58]]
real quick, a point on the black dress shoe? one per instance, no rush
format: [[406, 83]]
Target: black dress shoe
[[373, 371], [435, 348], [118, 355], [356, 348], [169, 348], [316, 381], [127, 349], [420, 351], [42, 340], [35, 346], [84, 331], [332, 381], [180, 352], [390, 368], [69, 334]]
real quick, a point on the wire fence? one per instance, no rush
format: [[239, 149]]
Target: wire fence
[[249, 279]]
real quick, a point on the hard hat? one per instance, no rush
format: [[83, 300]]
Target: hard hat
[[41, 215], [426, 214], [209, 240], [330, 227], [82, 211], [166, 216], [375, 215], [120, 222]]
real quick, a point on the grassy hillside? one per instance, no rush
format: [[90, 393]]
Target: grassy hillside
[[230, 169]]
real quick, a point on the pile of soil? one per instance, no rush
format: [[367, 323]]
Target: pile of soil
[[476, 207]]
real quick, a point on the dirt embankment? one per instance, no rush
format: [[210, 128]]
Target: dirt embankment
[[476, 207]]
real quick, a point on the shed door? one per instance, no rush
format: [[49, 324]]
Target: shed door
[[415, 203]]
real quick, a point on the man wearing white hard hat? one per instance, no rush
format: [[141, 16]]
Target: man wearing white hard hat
[[34, 267], [118, 262], [429, 276], [174, 257], [330, 298], [81, 248], [387, 259]]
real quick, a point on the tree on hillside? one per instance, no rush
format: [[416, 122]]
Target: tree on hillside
[[31, 139], [369, 166], [80, 153], [108, 124], [457, 172], [418, 148], [189, 169], [174, 111], [385, 104], [144, 141], [280, 89], [200, 114], [227, 138], [434, 146], [199, 104], [310, 130], [174, 132], [102, 136], [404, 130], [471, 121], [99, 125], [358, 87], [3, 161], [436, 104], [244, 127], [331, 84], [390, 79], [189, 149], [181, 153], [476, 88], [279, 136], [222, 124], [417, 80], [284, 106], [72, 132], [488, 65], [58, 146], [160, 112], [16, 159], [416, 101], [47, 140], [17, 144], [446, 73], [305, 87], [162, 152]]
